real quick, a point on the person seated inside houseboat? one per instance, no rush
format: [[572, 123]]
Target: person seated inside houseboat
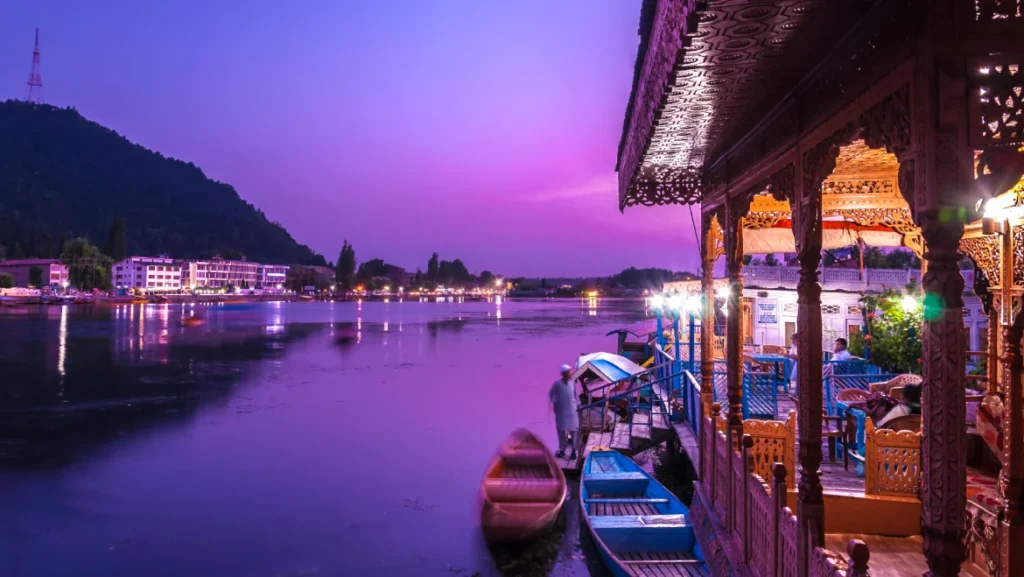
[[792, 370], [840, 352]]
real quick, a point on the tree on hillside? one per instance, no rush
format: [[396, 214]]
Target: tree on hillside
[[453, 273], [88, 268], [345, 273], [433, 267], [418, 278], [35, 276], [16, 251], [6, 280], [115, 240], [486, 278]]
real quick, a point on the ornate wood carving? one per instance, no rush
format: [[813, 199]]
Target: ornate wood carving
[[996, 9], [997, 108], [1011, 476], [773, 442], [659, 185], [892, 464], [734, 326], [711, 248], [984, 252], [817, 164], [943, 446]]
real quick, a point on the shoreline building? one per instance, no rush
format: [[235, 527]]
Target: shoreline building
[[219, 273], [150, 274], [52, 271], [271, 277]]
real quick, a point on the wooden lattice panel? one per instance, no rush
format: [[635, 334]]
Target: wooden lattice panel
[[892, 464], [774, 442], [996, 92]]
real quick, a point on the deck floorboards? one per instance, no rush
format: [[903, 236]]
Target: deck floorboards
[[890, 556]]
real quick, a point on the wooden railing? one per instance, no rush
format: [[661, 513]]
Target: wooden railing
[[759, 524]]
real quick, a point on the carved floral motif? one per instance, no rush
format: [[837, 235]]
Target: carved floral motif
[[984, 251]]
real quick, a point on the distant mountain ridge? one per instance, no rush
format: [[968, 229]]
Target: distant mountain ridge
[[63, 176]]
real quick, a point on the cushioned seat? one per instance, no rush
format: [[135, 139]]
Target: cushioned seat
[[523, 490], [526, 457]]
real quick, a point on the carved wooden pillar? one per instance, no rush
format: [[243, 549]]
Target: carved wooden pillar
[[734, 320], [943, 407], [711, 252], [1011, 476], [992, 358], [813, 166]]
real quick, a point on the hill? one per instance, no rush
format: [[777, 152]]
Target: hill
[[63, 176]]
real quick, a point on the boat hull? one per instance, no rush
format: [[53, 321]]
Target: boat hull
[[523, 490]]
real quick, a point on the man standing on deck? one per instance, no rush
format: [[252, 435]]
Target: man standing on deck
[[563, 399]]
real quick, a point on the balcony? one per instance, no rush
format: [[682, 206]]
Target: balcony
[[848, 279]]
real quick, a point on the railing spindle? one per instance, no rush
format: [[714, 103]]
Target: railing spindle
[[859, 555], [779, 497], [747, 443]]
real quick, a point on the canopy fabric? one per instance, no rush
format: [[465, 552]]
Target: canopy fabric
[[834, 234], [605, 368], [642, 330]]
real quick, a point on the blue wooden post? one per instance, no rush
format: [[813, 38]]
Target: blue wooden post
[[692, 331], [678, 365]]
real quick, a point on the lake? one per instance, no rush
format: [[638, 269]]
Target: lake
[[276, 439]]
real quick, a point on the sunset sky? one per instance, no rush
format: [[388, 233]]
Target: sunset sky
[[486, 131]]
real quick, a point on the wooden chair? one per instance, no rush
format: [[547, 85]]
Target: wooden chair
[[774, 350], [774, 442], [910, 423], [897, 381], [852, 395], [892, 461], [831, 428]]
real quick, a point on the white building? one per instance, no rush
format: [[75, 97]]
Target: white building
[[149, 274], [271, 277], [770, 307], [219, 273]]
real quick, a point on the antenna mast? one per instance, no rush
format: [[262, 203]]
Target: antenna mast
[[35, 78]]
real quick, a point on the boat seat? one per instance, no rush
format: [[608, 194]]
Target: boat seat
[[523, 490], [526, 457], [644, 533], [630, 483]]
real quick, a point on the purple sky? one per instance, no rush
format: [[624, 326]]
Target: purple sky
[[486, 131]]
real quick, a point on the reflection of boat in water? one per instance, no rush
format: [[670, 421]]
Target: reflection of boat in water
[[640, 528], [523, 489], [192, 322]]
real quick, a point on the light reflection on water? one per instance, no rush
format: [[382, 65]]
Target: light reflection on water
[[285, 439]]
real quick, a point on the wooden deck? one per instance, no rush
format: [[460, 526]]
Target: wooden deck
[[594, 440], [890, 556]]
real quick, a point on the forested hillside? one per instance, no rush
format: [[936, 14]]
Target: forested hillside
[[63, 176]]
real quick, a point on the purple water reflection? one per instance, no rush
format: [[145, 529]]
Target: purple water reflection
[[314, 457]]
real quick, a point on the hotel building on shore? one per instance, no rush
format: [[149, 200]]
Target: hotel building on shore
[[53, 272], [150, 274], [164, 274]]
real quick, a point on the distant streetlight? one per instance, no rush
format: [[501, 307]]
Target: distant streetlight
[[675, 303], [333, 287]]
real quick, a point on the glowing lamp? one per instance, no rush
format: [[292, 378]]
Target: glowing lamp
[[692, 303], [657, 301], [724, 292], [909, 303], [675, 302]]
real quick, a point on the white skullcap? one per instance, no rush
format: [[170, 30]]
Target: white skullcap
[[566, 368]]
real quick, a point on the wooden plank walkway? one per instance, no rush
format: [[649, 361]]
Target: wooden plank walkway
[[594, 440], [620, 437], [641, 424]]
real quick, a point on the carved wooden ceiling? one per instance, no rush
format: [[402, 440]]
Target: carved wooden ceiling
[[737, 59]]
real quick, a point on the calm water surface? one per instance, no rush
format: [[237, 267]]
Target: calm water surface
[[278, 439]]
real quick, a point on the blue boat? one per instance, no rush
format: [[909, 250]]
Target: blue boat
[[641, 529]]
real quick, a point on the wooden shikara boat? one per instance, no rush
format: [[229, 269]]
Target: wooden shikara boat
[[523, 489], [640, 528]]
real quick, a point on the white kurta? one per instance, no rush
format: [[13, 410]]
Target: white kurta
[[563, 396]]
